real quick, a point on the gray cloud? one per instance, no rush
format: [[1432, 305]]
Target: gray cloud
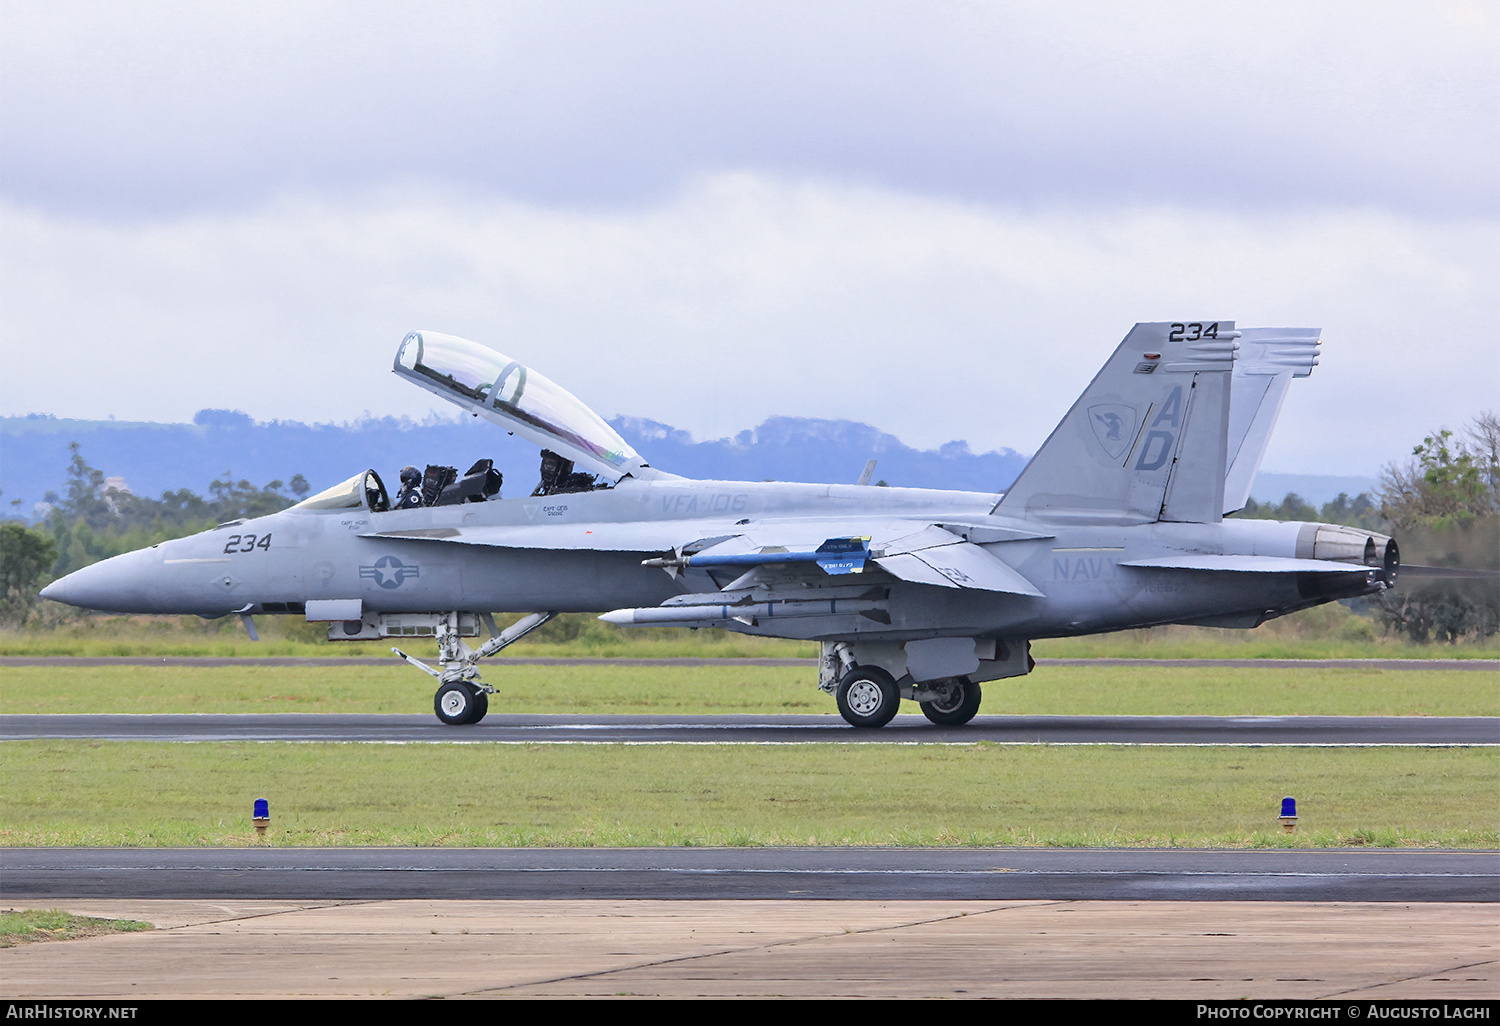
[[741, 298], [933, 217], [150, 109]]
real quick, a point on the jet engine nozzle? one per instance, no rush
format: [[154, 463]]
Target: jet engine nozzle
[[1351, 545], [1390, 562]]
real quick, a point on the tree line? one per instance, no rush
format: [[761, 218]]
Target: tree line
[[1442, 503], [92, 521]]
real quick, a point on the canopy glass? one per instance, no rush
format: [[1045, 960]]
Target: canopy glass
[[362, 491], [516, 397]]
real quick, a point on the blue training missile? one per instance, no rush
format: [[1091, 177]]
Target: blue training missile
[[835, 556]]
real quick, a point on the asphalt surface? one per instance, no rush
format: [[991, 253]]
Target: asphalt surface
[[1472, 665], [765, 729], [892, 874], [797, 873]]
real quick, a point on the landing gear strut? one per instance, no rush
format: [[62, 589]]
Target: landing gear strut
[[462, 697]]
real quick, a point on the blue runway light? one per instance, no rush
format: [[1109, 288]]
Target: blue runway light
[[261, 815], [1289, 813]]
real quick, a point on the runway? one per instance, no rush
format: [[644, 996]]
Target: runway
[[758, 922], [1472, 665], [868, 874], [1423, 731]]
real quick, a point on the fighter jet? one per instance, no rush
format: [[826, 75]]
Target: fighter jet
[[1117, 522]]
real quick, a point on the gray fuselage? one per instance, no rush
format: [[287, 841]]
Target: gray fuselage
[[566, 556]]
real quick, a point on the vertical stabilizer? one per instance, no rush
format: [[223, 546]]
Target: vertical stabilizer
[[1147, 440], [1269, 359]]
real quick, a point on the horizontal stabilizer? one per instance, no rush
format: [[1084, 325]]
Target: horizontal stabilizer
[[1269, 359], [1251, 564]]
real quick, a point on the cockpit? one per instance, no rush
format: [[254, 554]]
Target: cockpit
[[519, 399], [580, 452]]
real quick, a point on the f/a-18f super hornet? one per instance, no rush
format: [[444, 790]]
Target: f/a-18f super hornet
[[1117, 522]]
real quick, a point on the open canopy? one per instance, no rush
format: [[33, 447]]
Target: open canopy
[[517, 398]]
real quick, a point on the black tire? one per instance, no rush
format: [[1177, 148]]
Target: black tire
[[958, 707], [459, 702], [867, 697], [481, 705]]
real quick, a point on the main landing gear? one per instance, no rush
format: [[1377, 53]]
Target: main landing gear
[[955, 704], [868, 696], [463, 698]]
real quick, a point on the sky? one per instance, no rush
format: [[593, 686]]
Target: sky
[[937, 218]]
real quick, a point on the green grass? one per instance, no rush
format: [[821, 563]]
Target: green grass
[[1325, 632], [736, 688], [24, 926], [398, 688], [100, 793], [573, 634], [715, 645], [1209, 643]]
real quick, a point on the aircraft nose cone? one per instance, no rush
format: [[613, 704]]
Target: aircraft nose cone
[[123, 584]]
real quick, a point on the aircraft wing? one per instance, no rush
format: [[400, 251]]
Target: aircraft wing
[[631, 536], [806, 578], [652, 535], [930, 554], [802, 534], [803, 567], [939, 557]]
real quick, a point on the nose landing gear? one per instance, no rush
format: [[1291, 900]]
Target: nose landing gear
[[459, 702], [462, 698]]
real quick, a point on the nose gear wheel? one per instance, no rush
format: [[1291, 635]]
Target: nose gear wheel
[[460, 702]]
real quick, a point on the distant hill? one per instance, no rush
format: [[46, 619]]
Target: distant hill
[[804, 449], [153, 458]]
